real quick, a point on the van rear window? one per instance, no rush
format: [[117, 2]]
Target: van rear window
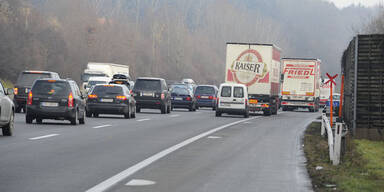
[[238, 92], [27, 79], [51, 88], [226, 91]]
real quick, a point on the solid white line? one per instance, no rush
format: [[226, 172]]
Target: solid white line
[[143, 120], [101, 126], [43, 137], [107, 184]]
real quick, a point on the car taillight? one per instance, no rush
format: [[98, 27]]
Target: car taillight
[[16, 91], [92, 96], [121, 97], [265, 105], [70, 100], [188, 98], [162, 96], [198, 97], [311, 104], [284, 103], [210, 97], [29, 100], [246, 101]]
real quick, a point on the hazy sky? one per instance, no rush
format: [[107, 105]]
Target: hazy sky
[[345, 3]]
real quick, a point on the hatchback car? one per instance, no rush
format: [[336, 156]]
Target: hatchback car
[[24, 83], [58, 99], [152, 93], [232, 99], [111, 99], [182, 97], [206, 96], [7, 111]]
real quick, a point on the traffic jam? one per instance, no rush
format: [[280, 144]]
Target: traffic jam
[[257, 80]]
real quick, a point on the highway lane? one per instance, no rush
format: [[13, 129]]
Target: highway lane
[[56, 156]]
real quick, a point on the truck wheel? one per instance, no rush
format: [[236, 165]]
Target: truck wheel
[[8, 129], [39, 120]]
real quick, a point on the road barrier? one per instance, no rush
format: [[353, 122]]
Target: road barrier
[[334, 138]]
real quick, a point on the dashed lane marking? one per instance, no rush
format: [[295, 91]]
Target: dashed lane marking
[[43, 137], [214, 137], [101, 126], [143, 120], [140, 182]]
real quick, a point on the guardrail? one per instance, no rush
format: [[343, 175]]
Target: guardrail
[[334, 137]]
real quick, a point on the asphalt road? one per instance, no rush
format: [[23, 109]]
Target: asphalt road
[[177, 152]]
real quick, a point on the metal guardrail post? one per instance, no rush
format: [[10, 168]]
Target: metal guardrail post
[[338, 135], [323, 123]]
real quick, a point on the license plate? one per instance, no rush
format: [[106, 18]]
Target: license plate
[[49, 104], [225, 104], [204, 97], [178, 98], [253, 101], [106, 100], [148, 94]]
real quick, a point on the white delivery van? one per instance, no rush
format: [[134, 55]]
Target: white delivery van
[[232, 99]]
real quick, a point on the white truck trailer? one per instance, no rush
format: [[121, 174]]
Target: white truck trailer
[[325, 92], [301, 84], [103, 70], [257, 66]]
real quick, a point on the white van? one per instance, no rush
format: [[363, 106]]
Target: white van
[[96, 81], [232, 99]]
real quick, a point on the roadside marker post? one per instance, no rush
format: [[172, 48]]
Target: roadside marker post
[[331, 80]]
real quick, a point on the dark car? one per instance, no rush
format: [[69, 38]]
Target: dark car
[[24, 83], [182, 97], [152, 93], [111, 99], [7, 111], [206, 96], [58, 99]]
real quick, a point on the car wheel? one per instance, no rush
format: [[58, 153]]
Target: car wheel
[[218, 114], [28, 119], [88, 114], [95, 115], [8, 129], [18, 109], [163, 109], [213, 108], [39, 120], [82, 120], [127, 115], [133, 114], [74, 120], [138, 109], [169, 108], [246, 114]]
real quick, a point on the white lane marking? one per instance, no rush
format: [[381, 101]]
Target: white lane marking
[[214, 137], [143, 120], [140, 182], [174, 115], [43, 137], [101, 126], [107, 184]]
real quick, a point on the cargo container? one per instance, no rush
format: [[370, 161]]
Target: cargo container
[[257, 66]]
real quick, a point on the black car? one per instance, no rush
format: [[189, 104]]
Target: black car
[[111, 99], [58, 99], [206, 96], [24, 83], [152, 93], [182, 97]]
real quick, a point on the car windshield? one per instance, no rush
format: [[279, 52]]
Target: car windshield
[[103, 90], [180, 91], [51, 88], [27, 79], [205, 90], [147, 85]]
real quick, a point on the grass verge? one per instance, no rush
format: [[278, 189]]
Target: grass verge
[[361, 168]]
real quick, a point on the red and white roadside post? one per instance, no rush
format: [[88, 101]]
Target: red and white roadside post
[[331, 80]]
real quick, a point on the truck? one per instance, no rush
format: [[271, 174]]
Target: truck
[[301, 84], [103, 70], [257, 66], [325, 92]]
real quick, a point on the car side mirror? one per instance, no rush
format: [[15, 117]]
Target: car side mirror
[[9, 91]]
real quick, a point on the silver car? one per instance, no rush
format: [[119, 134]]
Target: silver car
[[7, 111]]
